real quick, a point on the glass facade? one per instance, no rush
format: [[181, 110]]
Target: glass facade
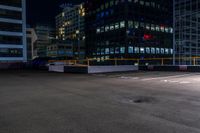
[[129, 29], [187, 29]]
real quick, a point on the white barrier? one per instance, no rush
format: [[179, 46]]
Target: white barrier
[[56, 68], [106, 69]]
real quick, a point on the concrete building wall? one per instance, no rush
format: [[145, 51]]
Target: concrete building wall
[[13, 31]]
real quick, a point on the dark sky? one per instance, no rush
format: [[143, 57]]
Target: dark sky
[[44, 11]]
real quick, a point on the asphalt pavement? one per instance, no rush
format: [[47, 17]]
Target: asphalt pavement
[[134, 102]]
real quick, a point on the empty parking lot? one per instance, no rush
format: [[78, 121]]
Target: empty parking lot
[[135, 102]]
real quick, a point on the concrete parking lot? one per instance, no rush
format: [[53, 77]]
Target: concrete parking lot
[[135, 102]]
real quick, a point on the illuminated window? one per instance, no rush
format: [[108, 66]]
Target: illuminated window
[[102, 29], [107, 50], [157, 28], [136, 24], [98, 30], [153, 27], [107, 28], [122, 24], [162, 51], [162, 28], [171, 30], [166, 51], [130, 24], [148, 50], [153, 50], [116, 26], [166, 29], [117, 50], [111, 27], [148, 26], [142, 51], [122, 50], [130, 49], [112, 51], [157, 50], [136, 50]]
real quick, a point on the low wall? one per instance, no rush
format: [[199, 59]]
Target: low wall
[[181, 68], [107, 69], [99, 69], [56, 68]]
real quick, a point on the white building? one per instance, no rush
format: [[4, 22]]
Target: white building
[[13, 31]]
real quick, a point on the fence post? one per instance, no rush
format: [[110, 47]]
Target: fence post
[[115, 62], [162, 61], [88, 62], [138, 61], [194, 61]]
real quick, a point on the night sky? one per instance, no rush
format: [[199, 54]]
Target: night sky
[[44, 11]]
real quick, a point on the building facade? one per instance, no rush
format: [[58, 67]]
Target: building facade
[[129, 29], [45, 35], [70, 25], [187, 31], [60, 50], [31, 39], [13, 31]]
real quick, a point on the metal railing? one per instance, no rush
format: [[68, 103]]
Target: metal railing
[[128, 61]]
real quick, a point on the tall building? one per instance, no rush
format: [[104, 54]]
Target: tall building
[[45, 35], [187, 31], [129, 29], [70, 25], [12, 31]]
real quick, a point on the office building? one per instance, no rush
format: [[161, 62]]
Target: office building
[[187, 31], [13, 31], [70, 26], [45, 34], [129, 29], [60, 49]]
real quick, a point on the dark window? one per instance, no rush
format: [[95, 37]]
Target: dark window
[[10, 27], [10, 40], [10, 14], [16, 3]]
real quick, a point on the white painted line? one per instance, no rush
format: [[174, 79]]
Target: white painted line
[[185, 82], [176, 76]]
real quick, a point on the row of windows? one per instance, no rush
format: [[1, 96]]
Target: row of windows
[[10, 14], [10, 40], [6, 52], [148, 26], [116, 2], [15, 3], [133, 50], [10, 27], [136, 25], [111, 27]]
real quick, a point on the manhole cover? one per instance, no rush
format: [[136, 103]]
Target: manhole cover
[[143, 99], [140, 99]]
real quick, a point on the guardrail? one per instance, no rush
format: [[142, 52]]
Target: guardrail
[[127, 61]]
